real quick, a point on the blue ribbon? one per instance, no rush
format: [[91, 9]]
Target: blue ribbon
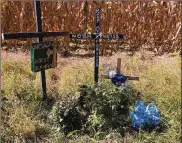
[[118, 79]]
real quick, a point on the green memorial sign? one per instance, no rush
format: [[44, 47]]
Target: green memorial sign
[[43, 56]]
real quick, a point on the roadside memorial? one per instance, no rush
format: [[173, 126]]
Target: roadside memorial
[[43, 54], [97, 35], [117, 77]]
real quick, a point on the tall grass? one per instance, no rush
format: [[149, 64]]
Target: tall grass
[[76, 74], [25, 117], [161, 85]]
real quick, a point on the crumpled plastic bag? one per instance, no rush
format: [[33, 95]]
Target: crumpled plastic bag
[[143, 116]]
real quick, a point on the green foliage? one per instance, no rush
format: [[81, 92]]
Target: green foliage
[[96, 109]]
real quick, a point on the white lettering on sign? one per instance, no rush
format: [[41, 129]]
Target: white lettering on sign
[[103, 35], [97, 29], [117, 36], [43, 67], [97, 18], [97, 12], [84, 35], [110, 36], [79, 36], [89, 36], [97, 52], [42, 60], [42, 45], [97, 47], [73, 35]]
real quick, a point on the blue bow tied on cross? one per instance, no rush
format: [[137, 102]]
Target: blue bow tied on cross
[[118, 79]]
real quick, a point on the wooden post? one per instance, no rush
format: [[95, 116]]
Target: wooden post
[[40, 39], [118, 66]]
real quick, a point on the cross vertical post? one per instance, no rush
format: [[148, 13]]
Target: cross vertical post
[[118, 66], [40, 39], [97, 31]]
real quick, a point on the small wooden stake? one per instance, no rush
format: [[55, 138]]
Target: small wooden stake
[[118, 66]]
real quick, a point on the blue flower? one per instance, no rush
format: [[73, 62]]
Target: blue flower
[[143, 116]]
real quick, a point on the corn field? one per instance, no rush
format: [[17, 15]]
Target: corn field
[[154, 25]]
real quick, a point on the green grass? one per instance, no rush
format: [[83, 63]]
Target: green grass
[[25, 117]]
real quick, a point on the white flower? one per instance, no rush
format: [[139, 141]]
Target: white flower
[[111, 73]]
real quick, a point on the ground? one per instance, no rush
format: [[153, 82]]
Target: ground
[[25, 116]]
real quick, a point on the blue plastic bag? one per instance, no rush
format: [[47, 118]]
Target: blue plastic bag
[[143, 116]]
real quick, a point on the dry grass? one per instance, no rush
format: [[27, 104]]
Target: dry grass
[[153, 23], [25, 117]]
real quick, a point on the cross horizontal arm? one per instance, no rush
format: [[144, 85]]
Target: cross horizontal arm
[[132, 78], [104, 76], [93, 36], [7, 36], [128, 77]]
